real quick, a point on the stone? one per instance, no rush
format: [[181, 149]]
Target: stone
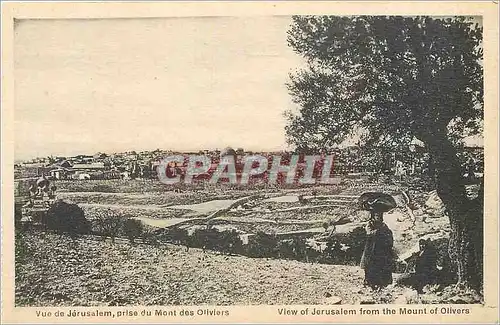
[[366, 300], [408, 296], [332, 300], [434, 205]]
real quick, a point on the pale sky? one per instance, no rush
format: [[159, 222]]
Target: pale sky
[[84, 86]]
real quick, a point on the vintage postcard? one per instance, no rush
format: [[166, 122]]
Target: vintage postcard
[[257, 162]]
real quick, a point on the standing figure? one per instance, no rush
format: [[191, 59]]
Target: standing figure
[[377, 259], [425, 265], [52, 193], [378, 256]]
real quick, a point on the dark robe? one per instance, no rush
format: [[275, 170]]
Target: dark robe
[[425, 267], [426, 271], [377, 259]]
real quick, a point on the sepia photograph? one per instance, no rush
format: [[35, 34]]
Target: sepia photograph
[[246, 160]]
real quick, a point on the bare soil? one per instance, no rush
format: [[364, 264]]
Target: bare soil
[[56, 270]]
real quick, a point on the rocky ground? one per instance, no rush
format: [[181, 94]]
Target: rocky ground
[[56, 270]]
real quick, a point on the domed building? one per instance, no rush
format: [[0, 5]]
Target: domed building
[[228, 152]]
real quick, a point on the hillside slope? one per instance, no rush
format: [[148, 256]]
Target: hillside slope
[[54, 270]]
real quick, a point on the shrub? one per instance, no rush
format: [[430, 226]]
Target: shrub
[[333, 253], [132, 228], [150, 235], [300, 249], [22, 249], [311, 255], [344, 249], [355, 240], [175, 236], [67, 217], [448, 273], [108, 224], [207, 238], [285, 249], [262, 245], [230, 242]]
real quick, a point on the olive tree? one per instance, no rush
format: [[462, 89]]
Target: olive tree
[[389, 80]]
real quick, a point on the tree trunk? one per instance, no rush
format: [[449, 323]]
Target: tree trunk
[[466, 216]]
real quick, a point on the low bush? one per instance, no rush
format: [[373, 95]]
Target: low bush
[[345, 249], [22, 250], [334, 253], [108, 224], [18, 213], [231, 242], [207, 239], [262, 245], [175, 235], [150, 235], [132, 228], [67, 217], [285, 249]]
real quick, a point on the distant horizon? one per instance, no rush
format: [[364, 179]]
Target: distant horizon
[[149, 150], [472, 140]]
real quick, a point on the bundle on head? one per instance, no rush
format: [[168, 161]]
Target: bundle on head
[[377, 202]]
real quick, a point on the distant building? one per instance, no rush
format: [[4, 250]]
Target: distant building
[[100, 156], [61, 173], [92, 167], [62, 164]]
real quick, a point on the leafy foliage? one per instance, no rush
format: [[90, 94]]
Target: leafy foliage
[[262, 245], [227, 241], [67, 217], [346, 250], [108, 224], [132, 228], [206, 238], [18, 213], [285, 249], [231, 242], [388, 78], [175, 235]]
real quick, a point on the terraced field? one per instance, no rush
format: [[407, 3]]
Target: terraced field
[[121, 273]]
